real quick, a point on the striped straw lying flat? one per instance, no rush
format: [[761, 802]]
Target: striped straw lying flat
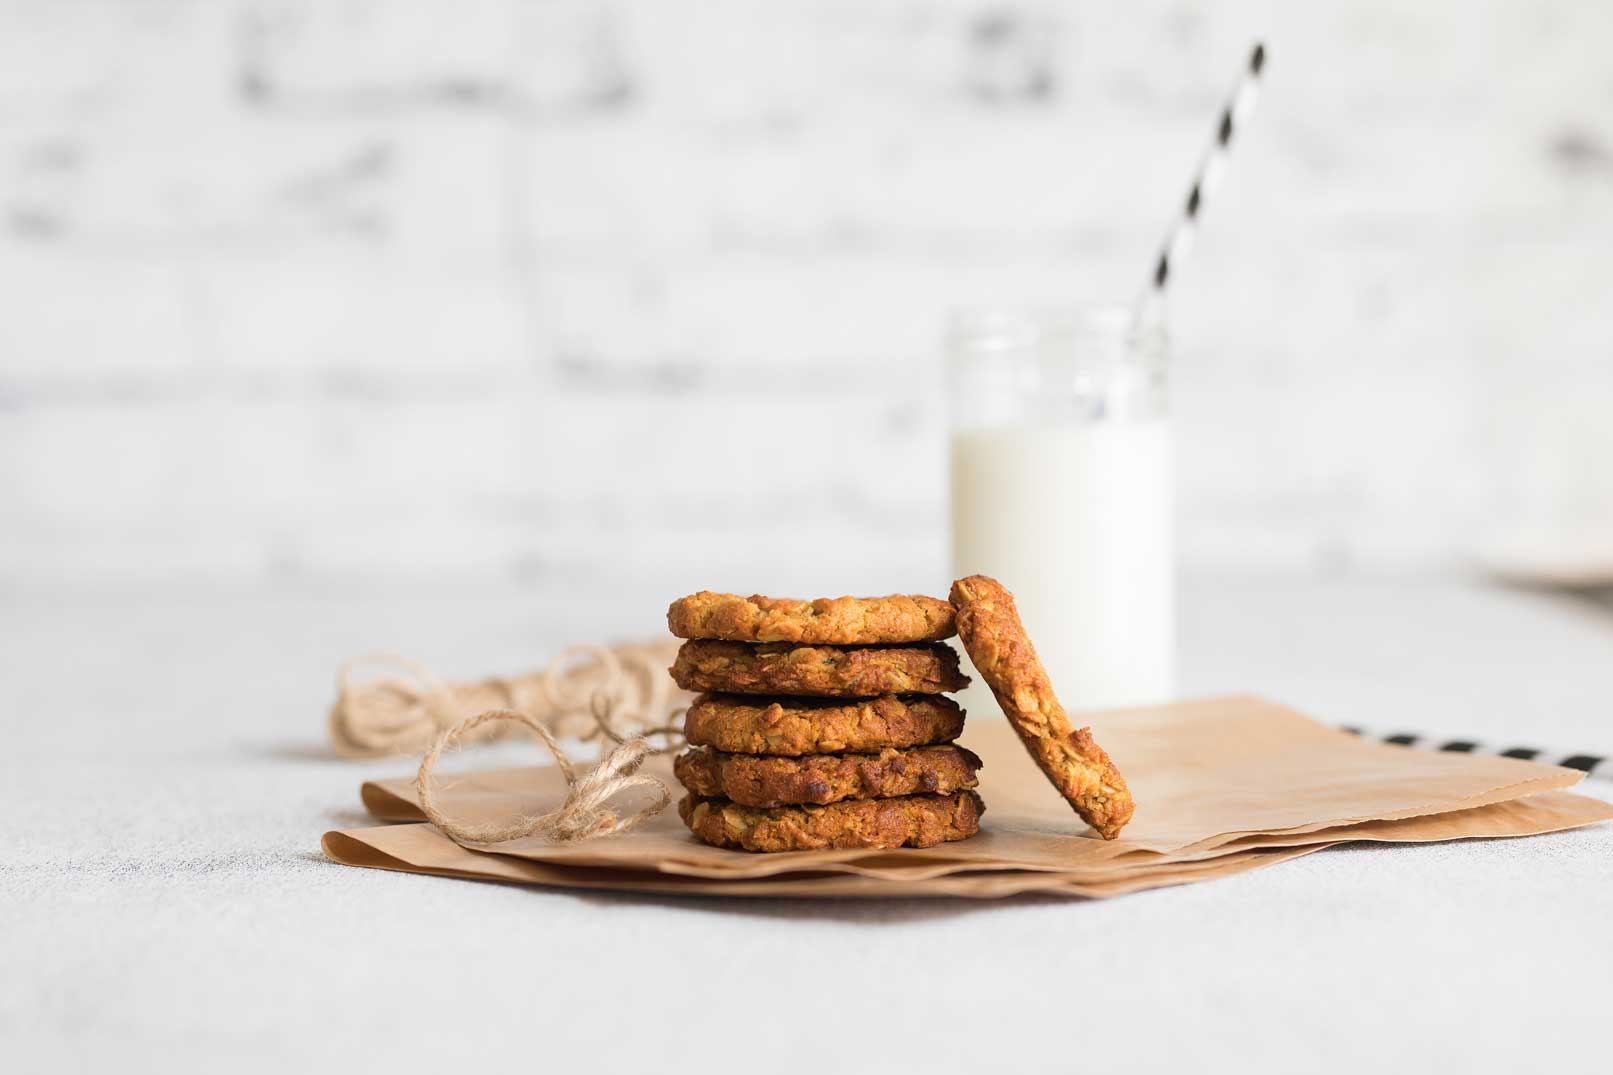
[[1597, 766]]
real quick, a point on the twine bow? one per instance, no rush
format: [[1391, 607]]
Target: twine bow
[[619, 693], [585, 813]]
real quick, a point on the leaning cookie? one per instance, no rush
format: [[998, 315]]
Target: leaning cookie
[[911, 821], [816, 671], [996, 641], [745, 724], [752, 780], [834, 621]]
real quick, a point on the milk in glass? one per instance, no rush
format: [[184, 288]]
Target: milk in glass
[[1062, 489]]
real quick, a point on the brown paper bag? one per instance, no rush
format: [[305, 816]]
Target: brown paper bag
[[1222, 786], [420, 848]]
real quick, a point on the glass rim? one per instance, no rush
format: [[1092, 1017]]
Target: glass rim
[[995, 328]]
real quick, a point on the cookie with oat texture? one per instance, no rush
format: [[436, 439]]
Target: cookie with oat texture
[[762, 780], [989, 625], [832, 621], [816, 671], [909, 821], [745, 724]]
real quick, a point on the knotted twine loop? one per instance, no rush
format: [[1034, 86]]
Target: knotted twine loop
[[583, 816], [401, 713]]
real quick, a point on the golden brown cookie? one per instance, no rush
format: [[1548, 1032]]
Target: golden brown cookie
[[745, 724], [816, 671], [752, 780], [834, 621], [910, 821], [991, 631]]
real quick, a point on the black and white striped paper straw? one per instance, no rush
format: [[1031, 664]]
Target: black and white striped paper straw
[[1234, 116], [1593, 765]]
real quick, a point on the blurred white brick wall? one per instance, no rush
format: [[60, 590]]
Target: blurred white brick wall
[[606, 290]]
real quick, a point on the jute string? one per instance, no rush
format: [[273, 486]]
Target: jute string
[[620, 694], [587, 691], [585, 812]]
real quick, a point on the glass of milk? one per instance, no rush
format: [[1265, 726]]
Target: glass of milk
[[1062, 484]]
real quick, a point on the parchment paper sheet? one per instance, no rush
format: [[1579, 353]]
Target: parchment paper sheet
[[1222, 786]]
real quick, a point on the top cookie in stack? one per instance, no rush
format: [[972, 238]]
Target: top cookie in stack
[[836, 621], [823, 723]]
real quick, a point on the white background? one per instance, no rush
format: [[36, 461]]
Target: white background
[[562, 290]]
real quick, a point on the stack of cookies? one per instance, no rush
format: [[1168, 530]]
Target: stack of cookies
[[823, 723]]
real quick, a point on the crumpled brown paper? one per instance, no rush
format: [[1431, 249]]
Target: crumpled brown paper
[[1222, 786]]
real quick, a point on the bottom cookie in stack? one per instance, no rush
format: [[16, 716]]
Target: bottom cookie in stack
[[798, 774]]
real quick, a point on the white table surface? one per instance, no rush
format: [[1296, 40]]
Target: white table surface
[[164, 905]]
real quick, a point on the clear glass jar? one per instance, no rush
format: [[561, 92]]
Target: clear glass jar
[[1063, 490]]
